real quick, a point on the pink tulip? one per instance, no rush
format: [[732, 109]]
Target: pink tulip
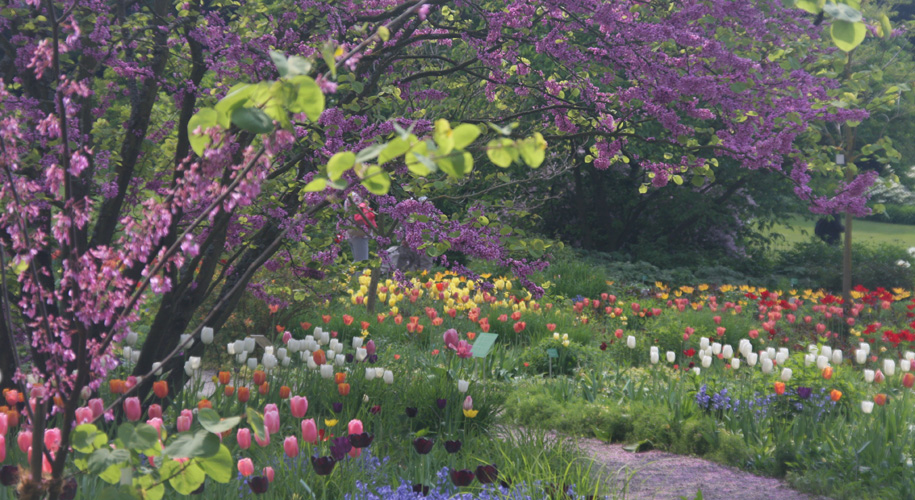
[[183, 423], [291, 446], [2, 447], [370, 347], [97, 406], [791, 318], [4, 423], [717, 320], [355, 426], [879, 376], [263, 442], [12, 397], [157, 423], [720, 330], [309, 431], [451, 338], [286, 337], [245, 467], [154, 411], [269, 474], [132, 409], [355, 452], [754, 334], [24, 440], [808, 319], [83, 415], [52, 439], [298, 406], [130, 382], [272, 421], [468, 403], [820, 328], [243, 436], [189, 414]]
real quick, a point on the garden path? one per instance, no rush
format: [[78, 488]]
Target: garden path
[[660, 475]]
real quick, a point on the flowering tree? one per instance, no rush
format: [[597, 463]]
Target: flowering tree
[[172, 149]]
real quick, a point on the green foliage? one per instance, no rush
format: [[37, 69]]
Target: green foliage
[[818, 265], [895, 214], [570, 358]]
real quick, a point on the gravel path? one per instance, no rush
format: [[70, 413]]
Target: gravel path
[[660, 475]]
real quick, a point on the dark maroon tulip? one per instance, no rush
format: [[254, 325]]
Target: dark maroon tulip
[[421, 488], [337, 407], [441, 403], [375, 410], [258, 484], [453, 446], [9, 475], [340, 448], [422, 445], [603, 346], [461, 477], [323, 465], [361, 440], [411, 411], [487, 473]]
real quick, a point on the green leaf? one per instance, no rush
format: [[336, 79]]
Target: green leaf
[[84, 438], [103, 458], [340, 163], [537, 248], [498, 151], [418, 162], [189, 479], [643, 445], [204, 119], [395, 148], [309, 98], [328, 53], [443, 136], [847, 35], [533, 150], [298, 65], [252, 120], [369, 153], [255, 419], [842, 12], [316, 184], [384, 33], [456, 164], [810, 6], [463, 135], [218, 466], [199, 444], [151, 490], [140, 437], [279, 59], [376, 180], [211, 421], [677, 180], [885, 24], [236, 98]]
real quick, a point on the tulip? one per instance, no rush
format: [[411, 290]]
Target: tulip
[[422, 445], [269, 473], [727, 351], [837, 357], [369, 373], [706, 361], [451, 338], [703, 343], [206, 335], [781, 357], [735, 363], [878, 376], [716, 348], [868, 376], [272, 421], [835, 395], [132, 409], [344, 389], [654, 357], [867, 406], [388, 377], [2, 447], [752, 358], [370, 347], [243, 437], [154, 411], [327, 371], [860, 356], [880, 399], [183, 423], [298, 405], [905, 365], [309, 431], [323, 465], [630, 342], [786, 374], [24, 440], [83, 416], [767, 366], [671, 356], [822, 362], [245, 467], [464, 477], [355, 427], [97, 406], [779, 388], [291, 446], [907, 380], [889, 367], [827, 373], [263, 442]]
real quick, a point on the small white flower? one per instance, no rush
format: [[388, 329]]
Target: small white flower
[[185, 341], [463, 385], [696, 370], [909, 355], [127, 352], [157, 368], [655, 357], [361, 353], [781, 357], [230, 348], [135, 357], [379, 372], [310, 362]]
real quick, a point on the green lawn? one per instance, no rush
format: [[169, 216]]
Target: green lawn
[[862, 231]]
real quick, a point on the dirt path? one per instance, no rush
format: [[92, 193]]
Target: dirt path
[[660, 475]]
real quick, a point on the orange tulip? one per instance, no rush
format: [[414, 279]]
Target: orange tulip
[[204, 403], [471, 335], [835, 395], [438, 321], [12, 418], [398, 319], [244, 394], [880, 399], [908, 380], [779, 388], [284, 391], [827, 372], [259, 377], [224, 378], [340, 377], [365, 325], [326, 318], [59, 402], [160, 389], [229, 391], [319, 356], [347, 319], [116, 386], [264, 388], [305, 325], [280, 328], [343, 389]]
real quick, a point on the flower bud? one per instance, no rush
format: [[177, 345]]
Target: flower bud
[[206, 335]]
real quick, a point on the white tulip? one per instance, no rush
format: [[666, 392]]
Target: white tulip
[[195, 362], [786, 374], [653, 349], [127, 351], [185, 340], [230, 348], [310, 362], [706, 361], [379, 372], [868, 375], [764, 355], [240, 346], [369, 373], [860, 356], [269, 349], [269, 361], [630, 342], [655, 357], [865, 347], [309, 338], [826, 351], [135, 357], [286, 361], [909, 355], [252, 363], [812, 349], [188, 369], [327, 371], [305, 355], [463, 385], [727, 351], [735, 363], [357, 342], [867, 406], [837, 357], [671, 356], [131, 338], [703, 343], [822, 362], [889, 367], [745, 347], [157, 368], [696, 370], [767, 366], [388, 377], [905, 365], [325, 338], [206, 335], [770, 351], [249, 344], [752, 359], [716, 348], [340, 360], [780, 358], [810, 359], [281, 353], [361, 353], [241, 357]]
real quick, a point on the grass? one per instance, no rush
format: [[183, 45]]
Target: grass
[[799, 230]]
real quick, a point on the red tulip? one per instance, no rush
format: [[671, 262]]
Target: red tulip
[[908, 380], [160, 389]]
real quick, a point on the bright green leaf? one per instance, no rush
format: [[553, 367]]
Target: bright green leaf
[[340, 163], [456, 164], [279, 59], [199, 444], [498, 151], [204, 119], [252, 120], [384, 33], [376, 180], [316, 184], [211, 421], [396, 147], [533, 150], [189, 479], [219, 466], [255, 419], [309, 98], [443, 136], [847, 35], [463, 135]]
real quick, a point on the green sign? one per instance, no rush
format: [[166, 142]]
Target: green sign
[[552, 353], [483, 344]]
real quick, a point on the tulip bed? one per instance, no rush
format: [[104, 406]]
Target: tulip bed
[[396, 403]]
